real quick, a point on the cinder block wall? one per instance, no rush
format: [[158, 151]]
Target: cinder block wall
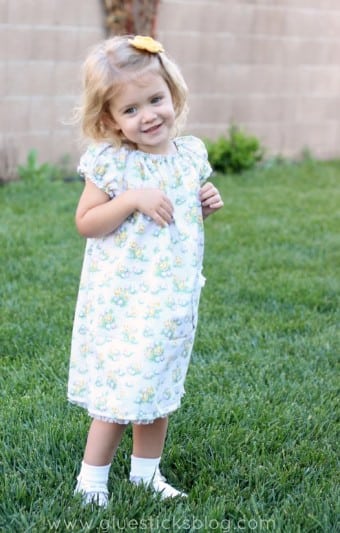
[[42, 46], [270, 66]]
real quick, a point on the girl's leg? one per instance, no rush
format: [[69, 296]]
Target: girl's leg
[[148, 444], [149, 439], [102, 442]]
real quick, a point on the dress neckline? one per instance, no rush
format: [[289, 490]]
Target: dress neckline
[[152, 156]]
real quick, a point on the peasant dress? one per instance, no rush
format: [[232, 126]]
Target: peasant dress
[[136, 312]]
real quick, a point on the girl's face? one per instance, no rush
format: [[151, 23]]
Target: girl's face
[[143, 111]]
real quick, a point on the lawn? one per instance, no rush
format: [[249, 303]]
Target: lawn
[[255, 442]]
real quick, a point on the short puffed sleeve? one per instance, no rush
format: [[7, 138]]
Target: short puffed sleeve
[[197, 152], [104, 166]]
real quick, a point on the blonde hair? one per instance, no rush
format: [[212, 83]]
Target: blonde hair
[[110, 64]]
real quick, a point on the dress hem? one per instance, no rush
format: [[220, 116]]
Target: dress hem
[[122, 421]]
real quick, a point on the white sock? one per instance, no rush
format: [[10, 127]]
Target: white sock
[[143, 469], [93, 477]]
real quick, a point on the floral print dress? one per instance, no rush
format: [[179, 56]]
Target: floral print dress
[[137, 305]]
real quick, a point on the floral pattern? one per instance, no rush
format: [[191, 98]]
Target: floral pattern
[[136, 312]]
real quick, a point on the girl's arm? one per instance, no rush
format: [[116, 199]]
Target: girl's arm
[[210, 199], [97, 214]]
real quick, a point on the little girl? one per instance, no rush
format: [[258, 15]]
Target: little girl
[[141, 211]]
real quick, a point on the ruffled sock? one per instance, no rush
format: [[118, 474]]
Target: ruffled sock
[[92, 484]]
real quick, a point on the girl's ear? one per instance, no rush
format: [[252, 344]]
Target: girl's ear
[[108, 121]]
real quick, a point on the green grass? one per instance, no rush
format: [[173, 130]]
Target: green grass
[[255, 441]]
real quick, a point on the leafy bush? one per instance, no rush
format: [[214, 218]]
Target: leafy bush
[[33, 171], [235, 153], [8, 160]]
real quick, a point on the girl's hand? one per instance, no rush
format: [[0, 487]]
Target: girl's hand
[[210, 199], [155, 204], [98, 215]]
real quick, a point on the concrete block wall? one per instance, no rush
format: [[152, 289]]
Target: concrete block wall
[[42, 45], [270, 66]]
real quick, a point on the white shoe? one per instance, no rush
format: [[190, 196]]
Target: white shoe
[[96, 494], [158, 484]]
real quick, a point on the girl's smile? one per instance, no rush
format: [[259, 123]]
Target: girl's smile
[[143, 112], [153, 129]]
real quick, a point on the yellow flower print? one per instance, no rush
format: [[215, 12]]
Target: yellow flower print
[[183, 236], [180, 285], [140, 229], [170, 303], [134, 370], [146, 395], [111, 380], [136, 252], [84, 348], [176, 375], [163, 184], [129, 335], [191, 184], [107, 320], [80, 388], [121, 270], [100, 170], [177, 181], [100, 403], [86, 309], [152, 311], [163, 267], [156, 352], [100, 361], [120, 297], [120, 237], [94, 267], [192, 215], [169, 329]]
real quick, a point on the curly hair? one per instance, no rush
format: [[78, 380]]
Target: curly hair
[[112, 63]]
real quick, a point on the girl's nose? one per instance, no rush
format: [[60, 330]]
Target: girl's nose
[[148, 115]]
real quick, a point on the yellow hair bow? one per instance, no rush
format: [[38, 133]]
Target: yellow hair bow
[[149, 44]]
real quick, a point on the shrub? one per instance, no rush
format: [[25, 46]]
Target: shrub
[[235, 153], [8, 160], [33, 171]]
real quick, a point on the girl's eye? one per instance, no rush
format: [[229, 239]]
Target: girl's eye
[[130, 110], [156, 99]]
